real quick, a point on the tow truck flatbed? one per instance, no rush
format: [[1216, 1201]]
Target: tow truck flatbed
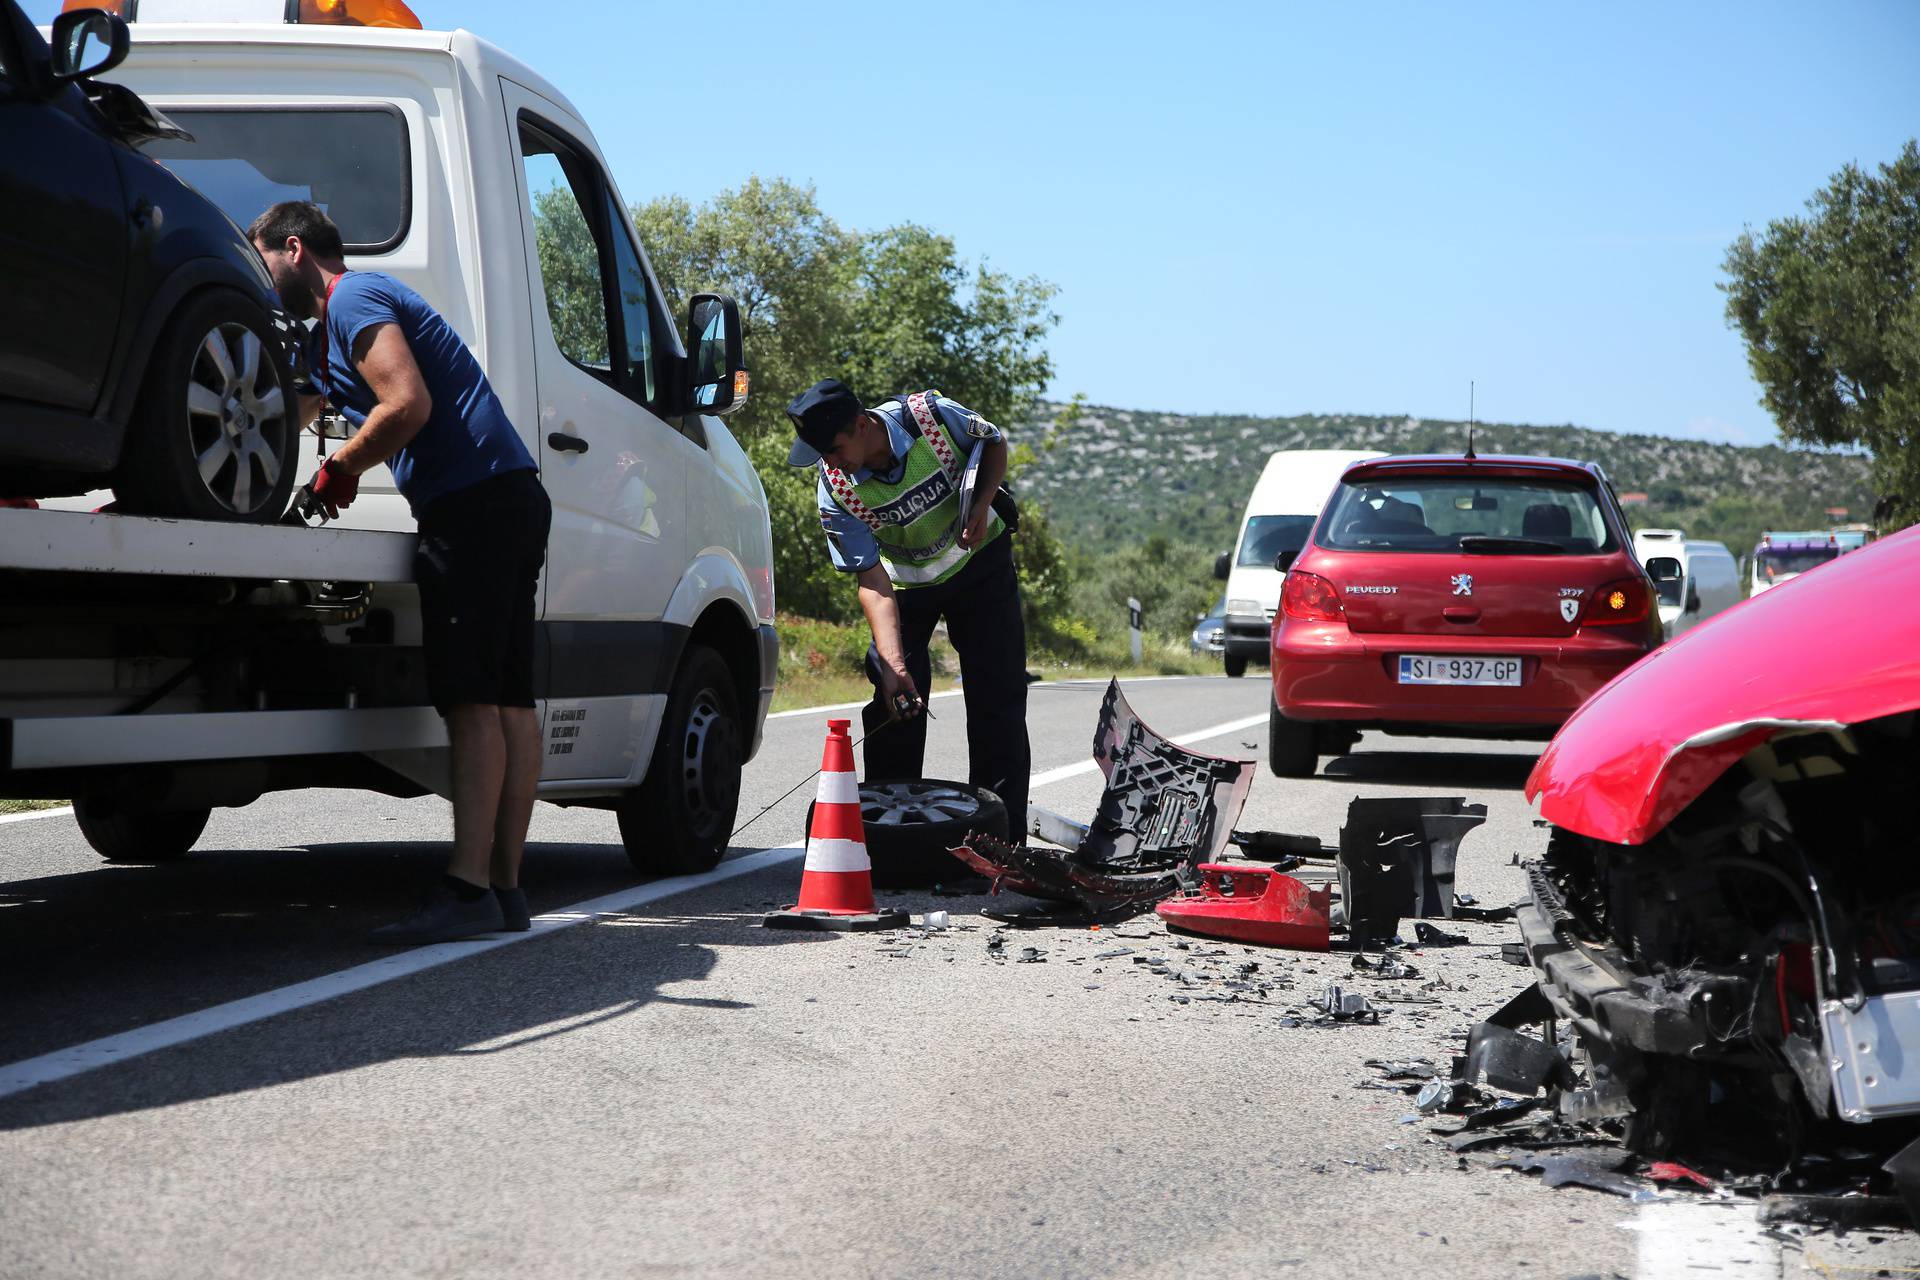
[[85, 542]]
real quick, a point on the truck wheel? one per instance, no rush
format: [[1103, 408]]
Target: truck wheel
[[909, 826], [214, 434], [680, 818], [1236, 666], [131, 835], [1291, 752]]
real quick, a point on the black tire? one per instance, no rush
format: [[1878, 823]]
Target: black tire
[[1291, 751], [678, 821], [214, 435], [1236, 666], [137, 836], [909, 826]]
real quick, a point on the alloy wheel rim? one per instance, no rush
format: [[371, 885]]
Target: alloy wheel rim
[[234, 408], [899, 804]]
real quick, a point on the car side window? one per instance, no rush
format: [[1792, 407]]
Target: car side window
[[569, 247], [635, 309]]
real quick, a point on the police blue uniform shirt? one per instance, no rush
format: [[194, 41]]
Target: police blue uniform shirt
[[849, 540], [467, 437]]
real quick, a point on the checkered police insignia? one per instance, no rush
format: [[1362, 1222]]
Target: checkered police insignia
[[922, 411], [849, 500]]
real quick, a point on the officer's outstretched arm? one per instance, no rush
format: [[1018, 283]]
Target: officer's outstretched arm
[[877, 601]]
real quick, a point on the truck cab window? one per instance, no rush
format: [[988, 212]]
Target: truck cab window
[[570, 257]]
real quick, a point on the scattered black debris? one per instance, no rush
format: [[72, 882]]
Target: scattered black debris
[[1411, 1069], [1843, 1211], [1397, 858], [1032, 955], [1345, 1006], [1430, 936], [1387, 966], [1600, 1170], [1276, 846], [1463, 909], [1113, 955], [1515, 953]]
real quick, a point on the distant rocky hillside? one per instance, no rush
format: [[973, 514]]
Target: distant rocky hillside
[[1188, 476]]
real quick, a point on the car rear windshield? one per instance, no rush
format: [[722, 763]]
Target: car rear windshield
[[1268, 536], [351, 161], [1487, 515]]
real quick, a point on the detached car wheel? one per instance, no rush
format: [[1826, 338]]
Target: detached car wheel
[[130, 835], [1291, 749], [214, 434], [910, 825], [679, 820]]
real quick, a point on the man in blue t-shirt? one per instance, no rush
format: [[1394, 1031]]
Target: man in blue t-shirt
[[422, 405]]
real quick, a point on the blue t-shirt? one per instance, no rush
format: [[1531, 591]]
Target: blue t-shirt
[[467, 437]]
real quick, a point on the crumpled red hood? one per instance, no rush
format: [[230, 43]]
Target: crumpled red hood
[[1834, 646]]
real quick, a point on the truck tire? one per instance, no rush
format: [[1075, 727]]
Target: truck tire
[[1236, 666], [680, 818], [214, 434], [1291, 750], [909, 826], [132, 835]]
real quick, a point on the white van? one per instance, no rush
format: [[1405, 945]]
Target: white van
[[1693, 579], [1286, 501], [455, 167]]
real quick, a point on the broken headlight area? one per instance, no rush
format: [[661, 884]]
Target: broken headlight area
[[1745, 987], [1164, 811]]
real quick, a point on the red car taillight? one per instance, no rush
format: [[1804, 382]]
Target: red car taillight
[[1307, 597], [1618, 603]]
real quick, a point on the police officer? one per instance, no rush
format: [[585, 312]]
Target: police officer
[[891, 481]]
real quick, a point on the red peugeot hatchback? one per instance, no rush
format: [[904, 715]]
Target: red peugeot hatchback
[[1457, 596]]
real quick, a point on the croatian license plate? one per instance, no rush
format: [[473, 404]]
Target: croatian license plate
[[1424, 669]]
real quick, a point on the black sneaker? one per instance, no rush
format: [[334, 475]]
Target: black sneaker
[[513, 909], [444, 918]]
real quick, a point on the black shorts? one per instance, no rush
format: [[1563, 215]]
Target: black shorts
[[478, 568]]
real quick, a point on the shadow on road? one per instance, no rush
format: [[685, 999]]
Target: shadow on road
[[1505, 771], [135, 946]]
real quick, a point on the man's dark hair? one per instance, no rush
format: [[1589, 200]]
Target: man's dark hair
[[301, 218]]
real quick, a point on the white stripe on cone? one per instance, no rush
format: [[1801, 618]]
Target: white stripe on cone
[[838, 788], [837, 855]]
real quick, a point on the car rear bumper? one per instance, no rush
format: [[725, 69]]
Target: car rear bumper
[[1323, 671]]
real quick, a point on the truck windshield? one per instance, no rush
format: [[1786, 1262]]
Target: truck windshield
[[1268, 536], [1487, 515], [352, 162], [1774, 563]]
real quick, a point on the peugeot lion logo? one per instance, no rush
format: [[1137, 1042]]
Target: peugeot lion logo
[[1569, 608], [1463, 584]]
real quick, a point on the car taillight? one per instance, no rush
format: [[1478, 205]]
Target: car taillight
[[1307, 597], [1618, 603]]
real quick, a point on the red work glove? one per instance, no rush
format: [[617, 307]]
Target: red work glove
[[334, 489]]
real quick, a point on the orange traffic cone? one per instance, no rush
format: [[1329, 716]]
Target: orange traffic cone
[[836, 889]]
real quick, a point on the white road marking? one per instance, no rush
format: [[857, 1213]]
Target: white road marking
[[1185, 739], [63, 1064], [1682, 1237], [76, 1059], [848, 706], [37, 813], [1097, 682]]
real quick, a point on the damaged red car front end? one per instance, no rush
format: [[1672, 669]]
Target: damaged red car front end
[[1729, 909]]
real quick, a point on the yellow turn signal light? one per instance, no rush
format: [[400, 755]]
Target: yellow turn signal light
[[740, 383], [118, 8], [358, 13]]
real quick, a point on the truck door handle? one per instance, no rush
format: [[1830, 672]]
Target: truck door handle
[[565, 443]]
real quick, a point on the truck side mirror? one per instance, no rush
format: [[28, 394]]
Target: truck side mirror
[[1222, 564], [87, 42], [717, 372], [1284, 561]]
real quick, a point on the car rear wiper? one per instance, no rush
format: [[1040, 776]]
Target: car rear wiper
[[1489, 544]]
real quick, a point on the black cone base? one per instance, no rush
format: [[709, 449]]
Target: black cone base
[[823, 920]]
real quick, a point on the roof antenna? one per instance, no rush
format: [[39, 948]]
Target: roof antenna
[[1470, 453]]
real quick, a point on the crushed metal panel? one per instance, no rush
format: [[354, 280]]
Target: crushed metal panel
[[1872, 1053], [1165, 810]]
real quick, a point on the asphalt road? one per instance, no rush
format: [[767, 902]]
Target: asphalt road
[[666, 1088]]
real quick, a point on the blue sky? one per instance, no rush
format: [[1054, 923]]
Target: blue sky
[[1370, 204]]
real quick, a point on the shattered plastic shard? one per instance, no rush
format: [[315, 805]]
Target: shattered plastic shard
[[1253, 904]]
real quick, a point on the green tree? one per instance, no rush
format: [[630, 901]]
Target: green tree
[[1829, 305], [886, 311]]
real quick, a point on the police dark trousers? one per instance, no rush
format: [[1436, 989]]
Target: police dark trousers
[[981, 604]]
